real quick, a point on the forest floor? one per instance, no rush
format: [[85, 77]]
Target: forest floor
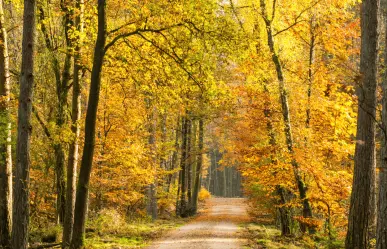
[[222, 223]]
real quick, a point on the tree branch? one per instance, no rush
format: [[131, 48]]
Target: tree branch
[[40, 120], [120, 27], [138, 32], [296, 21], [177, 60]]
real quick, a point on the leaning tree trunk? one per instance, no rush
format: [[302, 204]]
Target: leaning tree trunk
[[282, 192], [302, 188], [21, 200], [5, 141], [360, 212], [75, 128], [89, 142]]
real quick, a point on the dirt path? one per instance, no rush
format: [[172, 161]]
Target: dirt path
[[215, 227]]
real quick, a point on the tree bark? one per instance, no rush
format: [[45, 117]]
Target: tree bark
[[183, 160], [189, 164], [89, 142], [174, 155], [5, 140], [199, 164], [73, 156], [284, 211], [381, 231], [360, 212], [312, 43], [152, 198], [22, 179]]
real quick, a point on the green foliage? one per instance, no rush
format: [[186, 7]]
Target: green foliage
[[108, 221], [49, 234], [109, 230]]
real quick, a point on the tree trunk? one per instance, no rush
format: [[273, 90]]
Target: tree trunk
[[199, 164], [360, 212], [183, 189], [307, 209], [209, 173], [284, 211], [189, 164], [224, 188], [285, 215], [75, 128], [312, 43], [174, 155], [60, 182], [20, 217], [5, 141], [152, 198], [381, 231], [62, 80], [216, 174], [89, 142]]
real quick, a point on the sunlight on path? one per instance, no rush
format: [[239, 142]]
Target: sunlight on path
[[216, 227]]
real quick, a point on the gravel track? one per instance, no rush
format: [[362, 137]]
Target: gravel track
[[215, 227]]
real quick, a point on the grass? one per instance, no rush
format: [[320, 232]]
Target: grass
[[133, 235], [269, 237], [109, 229]]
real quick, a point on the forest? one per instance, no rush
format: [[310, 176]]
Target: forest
[[120, 119]]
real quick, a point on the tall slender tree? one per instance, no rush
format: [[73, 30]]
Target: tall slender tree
[[89, 142], [302, 188], [197, 184], [381, 229], [21, 200], [75, 128], [5, 140], [361, 207]]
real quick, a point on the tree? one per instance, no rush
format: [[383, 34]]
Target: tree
[[5, 140], [89, 142], [381, 229], [360, 213], [62, 84], [75, 128], [198, 174], [21, 201], [302, 188]]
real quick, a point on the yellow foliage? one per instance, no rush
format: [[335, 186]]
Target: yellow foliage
[[204, 194]]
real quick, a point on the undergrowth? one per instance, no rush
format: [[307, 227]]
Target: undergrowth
[[269, 237], [109, 229]]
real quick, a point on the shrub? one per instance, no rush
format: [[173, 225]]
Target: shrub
[[109, 221], [204, 194]]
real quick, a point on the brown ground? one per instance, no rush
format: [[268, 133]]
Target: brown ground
[[215, 227]]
